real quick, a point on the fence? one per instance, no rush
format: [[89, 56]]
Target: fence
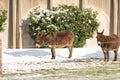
[[16, 33], [0, 57]]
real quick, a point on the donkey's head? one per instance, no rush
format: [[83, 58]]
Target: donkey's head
[[39, 39], [100, 37]]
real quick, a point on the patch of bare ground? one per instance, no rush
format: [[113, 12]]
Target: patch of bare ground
[[76, 69]]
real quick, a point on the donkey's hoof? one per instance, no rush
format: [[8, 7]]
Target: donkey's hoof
[[114, 60], [53, 58]]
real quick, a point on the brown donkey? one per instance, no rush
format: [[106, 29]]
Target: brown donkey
[[108, 43], [56, 39]]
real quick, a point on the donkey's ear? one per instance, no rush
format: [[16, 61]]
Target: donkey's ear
[[97, 31], [40, 34], [102, 31]]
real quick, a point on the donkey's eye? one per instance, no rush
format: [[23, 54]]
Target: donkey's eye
[[37, 41]]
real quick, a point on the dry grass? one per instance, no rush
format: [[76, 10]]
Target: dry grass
[[100, 71]]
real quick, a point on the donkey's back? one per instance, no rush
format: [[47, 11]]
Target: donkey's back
[[111, 42]]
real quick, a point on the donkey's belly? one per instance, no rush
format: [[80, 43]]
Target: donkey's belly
[[110, 49], [58, 46]]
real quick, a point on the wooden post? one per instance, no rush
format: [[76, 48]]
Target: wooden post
[[118, 21], [0, 56]]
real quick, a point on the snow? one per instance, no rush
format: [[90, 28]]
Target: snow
[[27, 60]]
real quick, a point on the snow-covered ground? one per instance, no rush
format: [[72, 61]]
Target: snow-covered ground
[[27, 60]]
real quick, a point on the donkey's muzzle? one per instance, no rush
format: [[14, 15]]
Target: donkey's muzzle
[[99, 43], [38, 46]]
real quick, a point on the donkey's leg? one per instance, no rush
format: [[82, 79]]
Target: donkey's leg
[[107, 53], [106, 58], [70, 51], [116, 54], [53, 52]]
